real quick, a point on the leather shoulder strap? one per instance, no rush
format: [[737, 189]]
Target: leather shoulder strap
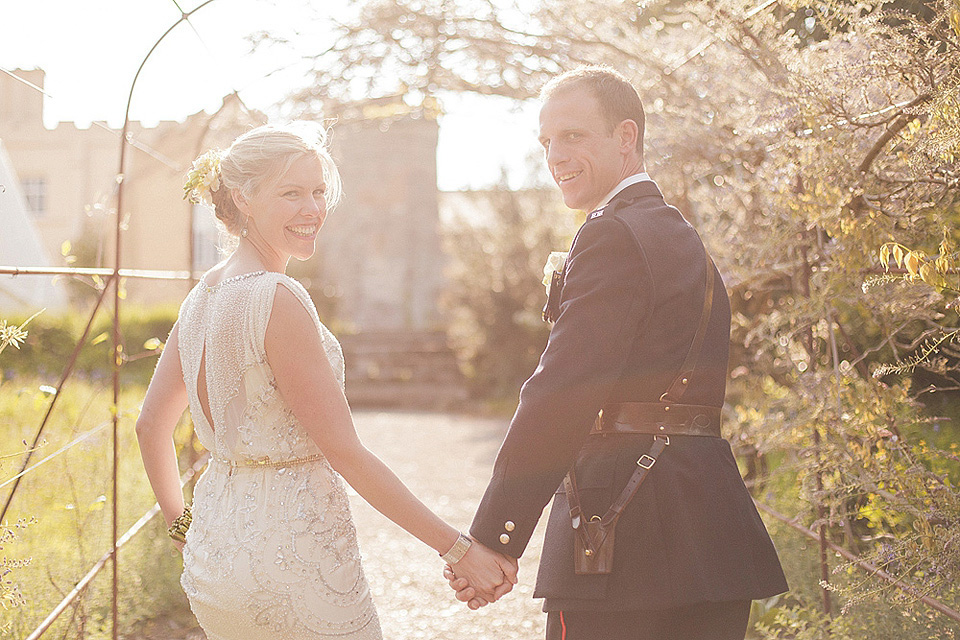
[[644, 464], [573, 498], [676, 390]]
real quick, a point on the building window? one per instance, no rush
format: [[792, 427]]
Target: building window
[[35, 193]]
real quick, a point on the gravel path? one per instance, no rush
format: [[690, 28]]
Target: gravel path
[[446, 461]]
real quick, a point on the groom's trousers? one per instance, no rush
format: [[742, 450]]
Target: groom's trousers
[[703, 621]]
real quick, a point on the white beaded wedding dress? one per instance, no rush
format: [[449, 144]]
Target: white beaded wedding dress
[[272, 551]]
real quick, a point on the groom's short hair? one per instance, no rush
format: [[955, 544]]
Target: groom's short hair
[[618, 98]]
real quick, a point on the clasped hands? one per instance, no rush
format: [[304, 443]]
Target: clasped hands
[[482, 576]]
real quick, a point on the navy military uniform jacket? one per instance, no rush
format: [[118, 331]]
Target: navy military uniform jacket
[[630, 301]]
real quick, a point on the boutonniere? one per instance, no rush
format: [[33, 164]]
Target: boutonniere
[[552, 280], [554, 263]]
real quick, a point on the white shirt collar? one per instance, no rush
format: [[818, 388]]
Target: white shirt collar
[[623, 184]]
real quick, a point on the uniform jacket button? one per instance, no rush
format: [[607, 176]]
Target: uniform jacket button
[[504, 538], [509, 525]]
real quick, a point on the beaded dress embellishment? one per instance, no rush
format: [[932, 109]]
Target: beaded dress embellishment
[[272, 551]]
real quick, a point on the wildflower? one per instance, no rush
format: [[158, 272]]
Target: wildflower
[[14, 334]]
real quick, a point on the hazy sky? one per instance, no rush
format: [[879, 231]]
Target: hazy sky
[[90, 50]]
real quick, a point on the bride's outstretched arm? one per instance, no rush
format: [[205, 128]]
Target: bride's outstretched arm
[[308, 385], [162, 407]]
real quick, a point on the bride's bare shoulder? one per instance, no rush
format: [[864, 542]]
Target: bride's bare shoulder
[[289, 318]]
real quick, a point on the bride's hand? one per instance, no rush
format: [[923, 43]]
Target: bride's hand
[[491, 574], [464, 592]]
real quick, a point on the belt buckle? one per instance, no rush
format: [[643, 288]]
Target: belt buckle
[[598, 424], [599, 421], [644, 463]]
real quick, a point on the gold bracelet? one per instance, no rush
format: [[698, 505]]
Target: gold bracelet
[[457, 551], [178, 528]]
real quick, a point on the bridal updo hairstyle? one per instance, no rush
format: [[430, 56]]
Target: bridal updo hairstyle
[[267, 153]]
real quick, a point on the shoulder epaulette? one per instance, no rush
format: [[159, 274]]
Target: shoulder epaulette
[[596, 213]]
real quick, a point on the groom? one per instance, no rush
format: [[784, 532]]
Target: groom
[[652, 534]]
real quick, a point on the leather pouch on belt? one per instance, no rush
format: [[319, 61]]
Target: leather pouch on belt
[[593, 548]]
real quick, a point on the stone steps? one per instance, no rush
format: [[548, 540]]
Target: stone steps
[[402, 369]]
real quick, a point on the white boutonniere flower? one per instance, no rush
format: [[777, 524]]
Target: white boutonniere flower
[[554, 263]]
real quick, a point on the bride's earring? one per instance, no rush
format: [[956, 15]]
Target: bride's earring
[[243, 232]]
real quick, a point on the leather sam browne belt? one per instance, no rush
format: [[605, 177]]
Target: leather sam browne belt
[[659, 418], [594, 538]]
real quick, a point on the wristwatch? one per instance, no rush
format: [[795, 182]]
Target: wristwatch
[[457, 551]]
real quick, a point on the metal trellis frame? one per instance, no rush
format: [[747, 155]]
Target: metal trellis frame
[[113, 283]]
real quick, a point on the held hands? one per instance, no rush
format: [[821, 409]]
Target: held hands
[[464, 592], [482, 576]]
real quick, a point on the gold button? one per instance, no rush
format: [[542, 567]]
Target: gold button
[[662, 428], [588, 553], [504, 538], [509, 526], [684, 381], [667, 408]]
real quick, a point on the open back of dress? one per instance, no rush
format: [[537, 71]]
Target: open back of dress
[[272, 551]]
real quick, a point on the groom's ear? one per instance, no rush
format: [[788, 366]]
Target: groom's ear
[[627, 134]]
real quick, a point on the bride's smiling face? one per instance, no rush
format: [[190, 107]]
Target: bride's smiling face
[[286, 213]]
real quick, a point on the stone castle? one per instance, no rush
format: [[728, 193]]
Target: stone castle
[[378, 269]]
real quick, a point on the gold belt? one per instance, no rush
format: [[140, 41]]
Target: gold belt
[[253, 464]]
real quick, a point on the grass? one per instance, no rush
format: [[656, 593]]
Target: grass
[[70, 499]]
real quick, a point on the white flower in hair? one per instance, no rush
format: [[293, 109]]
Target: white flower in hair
[[203, 178]]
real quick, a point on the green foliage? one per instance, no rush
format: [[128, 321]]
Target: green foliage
[[70, 491], [10, 594], [71, 494], [54, 336], [494, 296]]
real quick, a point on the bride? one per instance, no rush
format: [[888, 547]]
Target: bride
[[271, 552]]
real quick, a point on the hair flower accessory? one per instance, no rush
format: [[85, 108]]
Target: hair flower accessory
[[203, 178]]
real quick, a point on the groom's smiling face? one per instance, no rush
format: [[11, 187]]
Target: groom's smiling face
[[584, 153]]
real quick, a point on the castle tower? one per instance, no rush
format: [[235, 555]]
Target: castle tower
[[379, 264], [379, 253]]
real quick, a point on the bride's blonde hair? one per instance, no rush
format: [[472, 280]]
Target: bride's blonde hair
[[267, 152]]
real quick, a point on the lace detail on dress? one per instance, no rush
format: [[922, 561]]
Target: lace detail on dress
[[272, 551]]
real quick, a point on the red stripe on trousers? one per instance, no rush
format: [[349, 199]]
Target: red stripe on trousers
[[563, 627]]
